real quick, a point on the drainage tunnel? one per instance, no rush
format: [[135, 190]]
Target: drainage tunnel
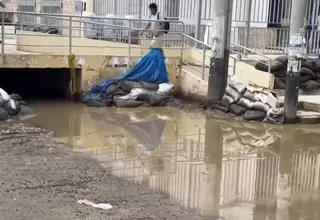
[[38, 83]]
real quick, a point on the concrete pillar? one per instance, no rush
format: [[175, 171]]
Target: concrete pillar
[[221, 28], [295, 52]]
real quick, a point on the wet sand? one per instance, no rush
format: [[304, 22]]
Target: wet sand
[[41, 179], [163, 163]]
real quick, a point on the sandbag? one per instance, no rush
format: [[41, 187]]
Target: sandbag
[[223, 105], [25, 110], [283, 59], [306, 71], [3, 114], [245, 103], [260, 106], [22, 103], [316, 65], [53, 31], [275, 116], [275, 66], [317, 74], [15, 97], [238, 86], [228, 98], [262, 66], [280, 73], [307, 65], [102, 103], [119, 92], [12, 107], [127, 103], [154, 98], [237, 109], [112, 89], [254, 115], [251, 96], [149, 86], [283, 79], [127, 85], [310, 85], [278, 84], [233, 93], [174, 102], [305, 78]]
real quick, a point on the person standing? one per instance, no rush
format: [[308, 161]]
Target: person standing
[[157, 27]]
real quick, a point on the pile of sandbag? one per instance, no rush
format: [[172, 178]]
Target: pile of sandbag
[[126, 93], [12, 106], [310, 72], [250, 103]]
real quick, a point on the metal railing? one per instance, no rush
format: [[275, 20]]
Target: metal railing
[[251, 55], [128, 32], [195, 55], [199, 66]]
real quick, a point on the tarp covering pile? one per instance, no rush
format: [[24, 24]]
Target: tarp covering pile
[[310, 72], [250, 103], [146, 84], [12, 106]]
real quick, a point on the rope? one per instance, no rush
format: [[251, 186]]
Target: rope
[[72, 67]]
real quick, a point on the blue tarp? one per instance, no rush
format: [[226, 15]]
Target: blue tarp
[[151, 68]]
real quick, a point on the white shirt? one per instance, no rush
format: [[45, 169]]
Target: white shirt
[[155, 26]]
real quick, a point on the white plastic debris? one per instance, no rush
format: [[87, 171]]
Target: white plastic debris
[[165, 88], [104, 206]]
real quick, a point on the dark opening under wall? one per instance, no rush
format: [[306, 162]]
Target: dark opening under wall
[[38, 83]]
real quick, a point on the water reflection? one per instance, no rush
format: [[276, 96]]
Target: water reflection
[[228, 170]]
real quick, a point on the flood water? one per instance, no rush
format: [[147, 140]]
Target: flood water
[[225, 169]]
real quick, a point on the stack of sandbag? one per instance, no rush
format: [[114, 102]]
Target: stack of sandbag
[[12, 106], [243, 138], [250, 103], [310, 72], [126, 94]]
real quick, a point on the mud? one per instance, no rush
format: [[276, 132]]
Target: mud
[[43, 179]]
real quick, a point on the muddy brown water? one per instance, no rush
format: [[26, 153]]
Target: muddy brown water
[[233, 170]]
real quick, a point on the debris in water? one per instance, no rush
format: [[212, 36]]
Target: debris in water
[[100, 205]]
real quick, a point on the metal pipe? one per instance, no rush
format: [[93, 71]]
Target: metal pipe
[[248, 23], [2, 32], [221, 25], [198, 24], [203, 61], [129, 41], [70, 34], [294, 63]]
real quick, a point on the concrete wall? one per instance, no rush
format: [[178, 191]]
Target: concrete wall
[[97, 56], [56, 44], [93, 67]]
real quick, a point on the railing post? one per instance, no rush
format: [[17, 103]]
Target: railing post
[[203, 61], [248, 24], [70, 34], [129, 41], [2, 32], [198, 24]]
